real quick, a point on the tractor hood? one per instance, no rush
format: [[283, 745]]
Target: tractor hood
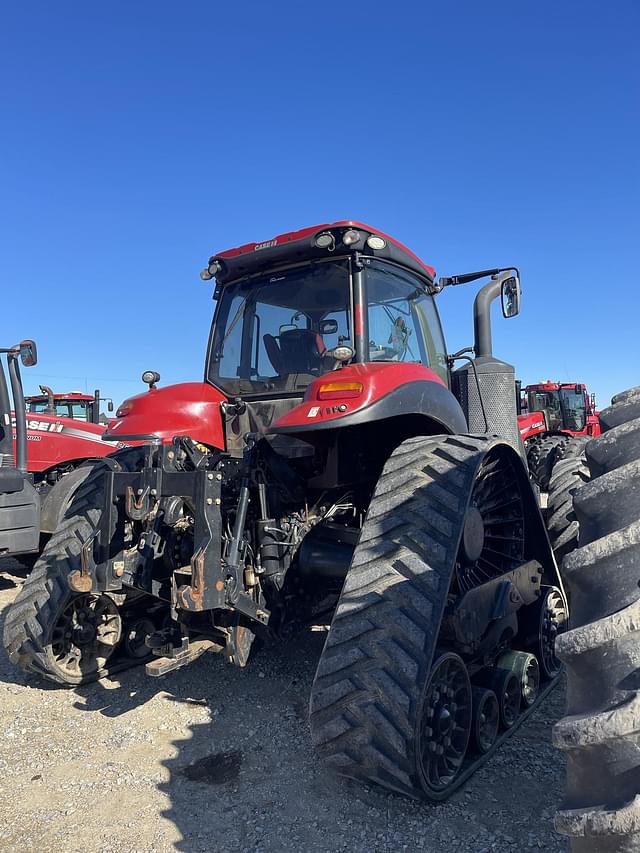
[[190, 408]]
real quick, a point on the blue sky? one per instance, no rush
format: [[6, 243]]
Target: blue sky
[[136, 139]]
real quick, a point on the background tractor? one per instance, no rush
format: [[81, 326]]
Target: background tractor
[[333, 467], [53, 436], [555, 419]]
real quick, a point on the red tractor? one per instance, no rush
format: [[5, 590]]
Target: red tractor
[[62, 432], [332, 466], [550, 415]]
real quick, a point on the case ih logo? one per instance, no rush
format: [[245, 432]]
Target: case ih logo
[[267, 245], [41, 426], [529, 427]]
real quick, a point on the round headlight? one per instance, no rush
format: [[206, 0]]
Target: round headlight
[[214, 268], [326, 240], [150, 377], [205, 275], [342, 353], [350, 237], [375, 242]]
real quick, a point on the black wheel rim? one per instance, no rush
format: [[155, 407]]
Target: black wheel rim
[[85, 634], [445, 722], [496, 498], [510, 698], [553, 621], [486, 719]]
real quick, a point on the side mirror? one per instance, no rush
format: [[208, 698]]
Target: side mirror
[[511, 296], [328, 327], [110, 406], [28, 353]]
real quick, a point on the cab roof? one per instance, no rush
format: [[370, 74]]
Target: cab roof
[[300, 245], [73, 396]]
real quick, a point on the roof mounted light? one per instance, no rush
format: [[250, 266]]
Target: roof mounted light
[[326, 240], [376, 242], [205, 275], [214, 268], [350, 237]]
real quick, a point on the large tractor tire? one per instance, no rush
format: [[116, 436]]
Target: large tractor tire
[[67, 637], [392, 702], [601, 731], [569, 473], [542, 454]]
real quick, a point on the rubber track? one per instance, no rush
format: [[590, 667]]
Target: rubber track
[[541, 457], [601, 731], [569, 473], [365, 699], [29, 620]]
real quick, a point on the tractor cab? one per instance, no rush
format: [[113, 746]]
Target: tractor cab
[[74, 405], [278, 330], [565, 406]]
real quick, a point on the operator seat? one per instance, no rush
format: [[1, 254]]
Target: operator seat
[[295, 351]]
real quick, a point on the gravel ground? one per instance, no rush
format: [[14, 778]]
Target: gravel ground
[[216, 759]]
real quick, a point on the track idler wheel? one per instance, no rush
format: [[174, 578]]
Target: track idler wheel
[[486, 719], [525, 667], [506, 685], [543, 621], [446, 721]]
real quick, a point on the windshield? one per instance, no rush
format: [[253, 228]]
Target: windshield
[[63, 409], [272, 333], [574, 408]]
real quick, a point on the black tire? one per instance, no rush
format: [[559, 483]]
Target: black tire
[[31, 632], [601, 730], [541, 457], [570, 472], [373, 679]]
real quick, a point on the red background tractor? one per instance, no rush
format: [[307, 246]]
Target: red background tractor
[[550, 415]]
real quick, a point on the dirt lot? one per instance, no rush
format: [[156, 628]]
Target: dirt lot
[[212, 758]]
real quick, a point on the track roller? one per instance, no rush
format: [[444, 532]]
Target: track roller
[[486, 719], [506, 685], [525, 666]]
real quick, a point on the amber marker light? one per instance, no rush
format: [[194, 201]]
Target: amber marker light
[[339, 390]]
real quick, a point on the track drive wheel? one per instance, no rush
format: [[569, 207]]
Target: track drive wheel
[[386, 707], [66, 637], [601, 730]]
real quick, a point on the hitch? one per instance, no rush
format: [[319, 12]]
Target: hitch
[[179, 656]]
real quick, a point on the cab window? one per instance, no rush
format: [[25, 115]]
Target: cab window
[[404, 324]]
